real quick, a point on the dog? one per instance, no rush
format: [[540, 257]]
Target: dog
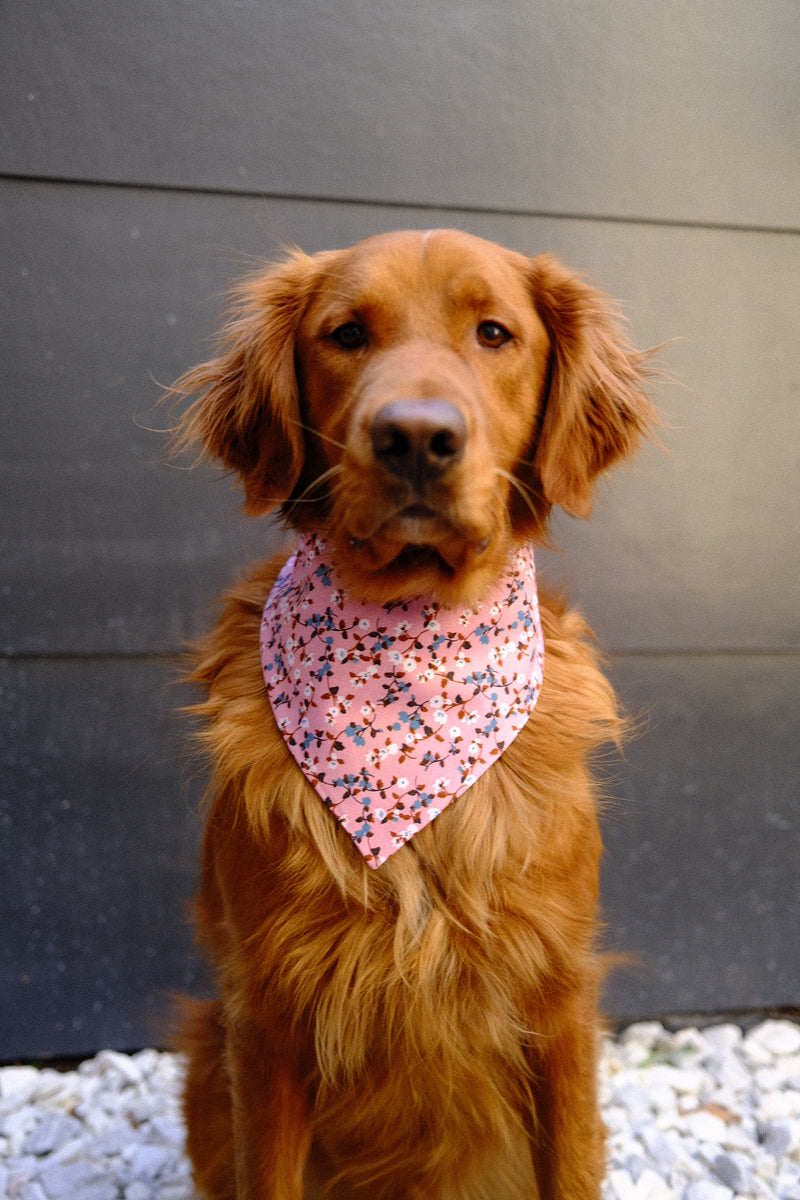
[[408, 975]]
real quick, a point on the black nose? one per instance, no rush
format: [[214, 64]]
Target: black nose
[[418, 440]]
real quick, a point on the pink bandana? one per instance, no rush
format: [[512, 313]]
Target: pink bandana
[[393, 711]]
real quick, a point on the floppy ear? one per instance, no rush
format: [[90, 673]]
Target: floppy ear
[[247, 412], [596, 408]]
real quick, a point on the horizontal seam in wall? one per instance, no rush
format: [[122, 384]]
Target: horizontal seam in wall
[[718, 652], [414, 205], [174, 658], [168, 658]]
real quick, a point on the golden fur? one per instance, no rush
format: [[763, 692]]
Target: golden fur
[[426, 1030]]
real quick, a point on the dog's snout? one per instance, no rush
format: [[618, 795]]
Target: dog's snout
[[418, 440]]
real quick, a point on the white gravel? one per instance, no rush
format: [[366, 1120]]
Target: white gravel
[[692, 1115]]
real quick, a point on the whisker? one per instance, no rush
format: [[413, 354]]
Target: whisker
[[323, 436], [522, 489], [319, 482]]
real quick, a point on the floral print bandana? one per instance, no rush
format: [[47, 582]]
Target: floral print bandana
[[393, 711]]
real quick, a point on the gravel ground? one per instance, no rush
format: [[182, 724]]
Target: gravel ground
[[692, 1115]]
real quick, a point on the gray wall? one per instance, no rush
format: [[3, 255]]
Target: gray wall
[[151, 152]]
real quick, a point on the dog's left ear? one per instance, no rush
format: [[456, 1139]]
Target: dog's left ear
[[596, 408]]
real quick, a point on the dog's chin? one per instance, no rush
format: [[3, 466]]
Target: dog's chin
[[416, 554]]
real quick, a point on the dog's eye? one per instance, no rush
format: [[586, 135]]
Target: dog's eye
[[350, 336], [493, 335]]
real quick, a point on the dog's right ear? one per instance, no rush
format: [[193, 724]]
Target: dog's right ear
[[247, 410]]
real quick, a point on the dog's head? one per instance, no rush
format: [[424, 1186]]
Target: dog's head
[[421, 400]]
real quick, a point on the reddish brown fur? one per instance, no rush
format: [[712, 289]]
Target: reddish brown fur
[[425, 1031]]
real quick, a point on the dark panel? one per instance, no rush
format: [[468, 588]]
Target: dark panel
[[675, 112], [105, 546], [701, 880], [106, 291], [99, 835], [99, 841]]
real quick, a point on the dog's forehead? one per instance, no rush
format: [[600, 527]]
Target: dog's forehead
[[445, 264]]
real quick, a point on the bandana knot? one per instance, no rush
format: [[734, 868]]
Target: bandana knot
[[393, 711]]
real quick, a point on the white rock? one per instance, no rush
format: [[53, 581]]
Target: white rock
[[770, 1079], [31, 1191], [176, 1189], [53, 1132], [689, 1042], [643, 1033], [138, 1191], [17, 1126], [739, 1139], [779, 1106], [72, 1180], [733, 1171], [113, 1141], [149, 1061], [148, 1162], [661, 1149], [112, 1061], [723, 1039], [16, 1081], [635, 1100], [620, 1186], [650, 1186], [683, 1081], [704, 1127], [776, 1037], [704, 1189], [96, 1119], [765, 1166], [754, 1053], [728, 1071], [169, 1130]]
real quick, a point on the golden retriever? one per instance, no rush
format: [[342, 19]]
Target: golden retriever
[[425, 1028]]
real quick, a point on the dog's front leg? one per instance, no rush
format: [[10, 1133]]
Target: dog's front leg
[[571, 1158], [271, 1123]]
